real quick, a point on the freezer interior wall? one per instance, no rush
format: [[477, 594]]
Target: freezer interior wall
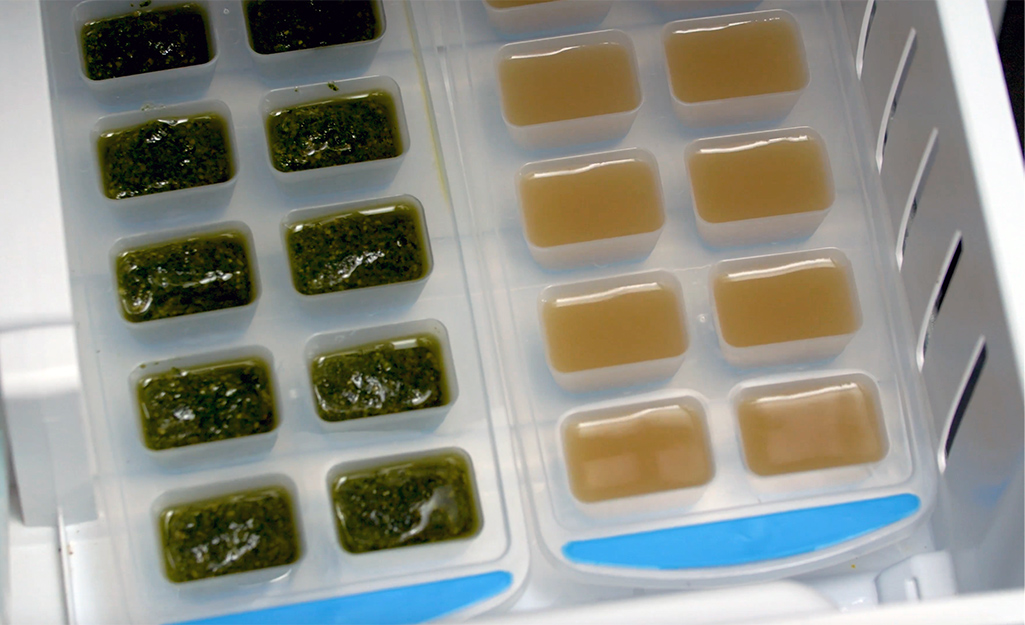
[[939, 236]]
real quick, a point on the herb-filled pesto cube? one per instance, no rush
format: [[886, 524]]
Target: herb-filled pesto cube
[[349, 128], [284, 25], [409, 502], [381, 378], [169, 153], [383, 243], [190, 405], [194, 274], [145, 41], [237, 533]]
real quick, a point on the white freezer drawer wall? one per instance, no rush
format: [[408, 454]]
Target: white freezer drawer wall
[[39, 379], [940, 198], [934, 186]]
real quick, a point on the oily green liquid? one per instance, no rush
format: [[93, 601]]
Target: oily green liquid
[[285, 25], [165, 155], [405, 503], [349, 129], [383, 378], [370, 247], [236, 533], [200, 404], [192, 275], [145, 41]]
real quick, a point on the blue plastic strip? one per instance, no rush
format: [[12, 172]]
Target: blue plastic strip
[[742, 541], [409, 604]]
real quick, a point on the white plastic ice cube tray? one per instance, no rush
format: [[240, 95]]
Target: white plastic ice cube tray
[[705, 534], [288, 329], [647, 540]]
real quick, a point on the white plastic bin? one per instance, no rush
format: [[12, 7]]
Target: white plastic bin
[[936, 160]]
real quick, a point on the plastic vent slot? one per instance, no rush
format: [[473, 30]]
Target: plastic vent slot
[[938, 295], [911, 208], [866, 28], [895, 89], [964, 397]]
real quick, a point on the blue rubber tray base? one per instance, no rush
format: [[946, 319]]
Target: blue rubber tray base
[[743, 541], [408, 604]]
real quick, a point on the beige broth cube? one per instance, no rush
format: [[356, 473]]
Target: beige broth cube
[[570, 82], [636, 451], [786, 299], [753, 54], [580, 200], [757, 176], [619, 325], [811, 425]]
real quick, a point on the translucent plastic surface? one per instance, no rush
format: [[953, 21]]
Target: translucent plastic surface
[[284, 328], [710, 373]]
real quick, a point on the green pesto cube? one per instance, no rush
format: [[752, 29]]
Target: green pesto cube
[[145, 41], [201, 404], [285, 25], [411, 502], [351, 128], [369, 247], [236, 533], [165, 154], [389, 377], [186, 276]]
